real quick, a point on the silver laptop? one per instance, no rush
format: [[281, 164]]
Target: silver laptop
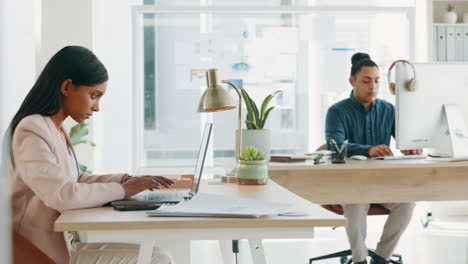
[[167, 196]]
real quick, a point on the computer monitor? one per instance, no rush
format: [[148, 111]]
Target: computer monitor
[[435, 115]]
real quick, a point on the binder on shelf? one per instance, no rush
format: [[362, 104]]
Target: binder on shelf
[[441, 44], [450, 45], [465, 43], [459, 44]]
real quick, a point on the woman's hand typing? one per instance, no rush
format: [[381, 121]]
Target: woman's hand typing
[[134, 185]]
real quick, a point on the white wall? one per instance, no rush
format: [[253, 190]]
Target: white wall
[[112, 42], [17, 74], [423, 22], [65, 23], [108, 34], [89, 23], [18, 56]]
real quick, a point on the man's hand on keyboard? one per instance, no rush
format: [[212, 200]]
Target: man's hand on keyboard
[[411, 152], [380, 150]]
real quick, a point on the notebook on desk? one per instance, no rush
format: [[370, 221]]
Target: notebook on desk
[[286, 158], [168, 196]]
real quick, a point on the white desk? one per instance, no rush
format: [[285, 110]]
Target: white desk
[[375, 181], [107, 225]]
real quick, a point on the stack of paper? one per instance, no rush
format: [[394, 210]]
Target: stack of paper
[[212, 205]]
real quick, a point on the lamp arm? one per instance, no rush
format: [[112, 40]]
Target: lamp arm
[[239, 119]]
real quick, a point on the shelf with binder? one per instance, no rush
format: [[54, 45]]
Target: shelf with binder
[[450, 42]]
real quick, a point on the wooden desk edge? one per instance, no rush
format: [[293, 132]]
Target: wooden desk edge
[[215, 223], [366, 165]]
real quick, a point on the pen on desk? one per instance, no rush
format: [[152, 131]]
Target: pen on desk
[[333, 143], [343, 146]]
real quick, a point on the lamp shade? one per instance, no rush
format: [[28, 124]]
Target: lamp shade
[[215, 98]]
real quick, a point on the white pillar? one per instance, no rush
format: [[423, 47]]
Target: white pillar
[[17, 74], [114, 123], [17, 56]]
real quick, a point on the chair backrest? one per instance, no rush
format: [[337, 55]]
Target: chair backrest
[[26, 252], [374, 209]]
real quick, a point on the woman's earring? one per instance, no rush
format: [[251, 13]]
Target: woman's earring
[[66, 94]]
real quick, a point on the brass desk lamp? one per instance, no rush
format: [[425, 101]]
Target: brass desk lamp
[[216, 98]]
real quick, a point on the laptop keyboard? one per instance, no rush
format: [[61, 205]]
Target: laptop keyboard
[[406, 157], [167, 195]]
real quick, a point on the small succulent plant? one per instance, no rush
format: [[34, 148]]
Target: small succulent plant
[[252, 153]]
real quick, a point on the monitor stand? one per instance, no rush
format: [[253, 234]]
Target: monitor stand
[[458, 136]]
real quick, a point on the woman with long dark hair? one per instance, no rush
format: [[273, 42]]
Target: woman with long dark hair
[[45, 176]]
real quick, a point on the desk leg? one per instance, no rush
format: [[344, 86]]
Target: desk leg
[[226, 251], [256, 248], [146, 252]]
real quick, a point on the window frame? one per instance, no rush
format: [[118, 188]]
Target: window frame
[[138, 11]]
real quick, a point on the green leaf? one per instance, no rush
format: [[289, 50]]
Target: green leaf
[[266, 116], [249, 103], [252, 153], [252, 124], [266, 102], [256, 113], [83, 168], [248, 120], [77, 132]]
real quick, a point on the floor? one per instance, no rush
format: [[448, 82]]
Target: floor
[[441, 242]]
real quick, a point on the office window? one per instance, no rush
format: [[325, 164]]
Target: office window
[[306, 55]]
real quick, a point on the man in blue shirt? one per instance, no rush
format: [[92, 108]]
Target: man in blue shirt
[[367, 123]]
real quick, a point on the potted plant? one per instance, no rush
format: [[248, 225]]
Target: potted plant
[[255, 134], [450, 17], [252, 168], [76, 134]]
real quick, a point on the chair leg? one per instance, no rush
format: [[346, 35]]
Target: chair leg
[[334, 255], [399, 261], [371, 253], [345, 253], [398, 256]]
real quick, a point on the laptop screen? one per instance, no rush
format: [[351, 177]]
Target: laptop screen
[[201, 157]]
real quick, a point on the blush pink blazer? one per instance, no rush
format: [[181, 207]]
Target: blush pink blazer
[[43, 186]]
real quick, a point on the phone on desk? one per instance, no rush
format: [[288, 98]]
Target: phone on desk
[[136, 207]]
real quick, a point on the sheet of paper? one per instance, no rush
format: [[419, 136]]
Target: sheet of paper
[[220, 204]]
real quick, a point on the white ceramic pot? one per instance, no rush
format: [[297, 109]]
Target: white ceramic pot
[[450, 17], [259, 138]]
